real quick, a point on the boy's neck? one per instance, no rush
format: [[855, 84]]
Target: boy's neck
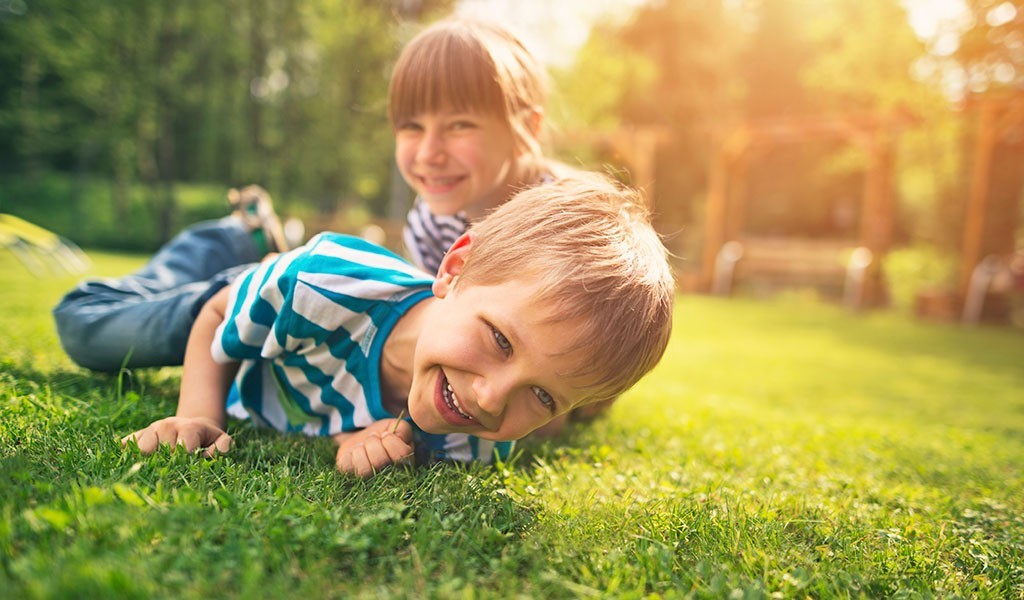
[[396, 362]]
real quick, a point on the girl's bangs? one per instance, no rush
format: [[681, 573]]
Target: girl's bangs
[[444, 74]]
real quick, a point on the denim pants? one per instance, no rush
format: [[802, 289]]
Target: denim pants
[[144, 319]]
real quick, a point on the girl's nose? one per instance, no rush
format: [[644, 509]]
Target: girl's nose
[[431, 148]]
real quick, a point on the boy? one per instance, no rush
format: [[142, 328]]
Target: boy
[[560, 298]]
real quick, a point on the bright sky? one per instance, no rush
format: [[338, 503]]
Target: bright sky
[[929, 18], [551, 29], [554, 29]]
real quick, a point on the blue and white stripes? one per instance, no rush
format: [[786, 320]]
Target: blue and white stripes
[[309, 328], [428, 236]]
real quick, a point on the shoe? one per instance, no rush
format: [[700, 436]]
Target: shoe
[[253, 205]]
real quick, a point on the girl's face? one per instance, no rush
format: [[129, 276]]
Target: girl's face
[[457, 161]]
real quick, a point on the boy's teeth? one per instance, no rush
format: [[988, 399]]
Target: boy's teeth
[[455, 401]]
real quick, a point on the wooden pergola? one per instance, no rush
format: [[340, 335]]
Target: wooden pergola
[[726, 201]]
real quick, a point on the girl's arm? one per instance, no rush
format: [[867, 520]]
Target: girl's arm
[[200, 418]]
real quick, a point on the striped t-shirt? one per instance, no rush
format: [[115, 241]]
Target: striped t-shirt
[[309, 329], [428, 236]]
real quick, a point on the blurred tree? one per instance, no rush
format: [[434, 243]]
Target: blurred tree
[[872, 62], [670, 67], [287, 93], [787, 187], [991, 54], [991, 50]]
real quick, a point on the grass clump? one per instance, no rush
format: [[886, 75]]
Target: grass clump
[[782, 449]]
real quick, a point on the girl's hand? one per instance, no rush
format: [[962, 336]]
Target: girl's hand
[[367, 451], [190, 432]]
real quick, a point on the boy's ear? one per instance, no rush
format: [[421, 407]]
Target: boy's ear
[[452, 264]]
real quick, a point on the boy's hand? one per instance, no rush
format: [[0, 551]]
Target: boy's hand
[[190, 432], [365, 452]]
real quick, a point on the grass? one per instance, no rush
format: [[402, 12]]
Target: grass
[[782, 449]]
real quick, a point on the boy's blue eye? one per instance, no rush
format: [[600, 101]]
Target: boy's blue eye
[[410, 126], [544, 397], [462, 125], [501, 341]]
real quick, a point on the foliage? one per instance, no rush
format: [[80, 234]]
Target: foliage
[[670, 68], [781, 450], [81, 209], [286, 93], [290, 94], [699, 68], [912, 269], [990, 50]]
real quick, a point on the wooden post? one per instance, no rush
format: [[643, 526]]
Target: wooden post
[[977, 202], [716, 210], [877, 211], [737, 196], [714, 215], [638, 148]]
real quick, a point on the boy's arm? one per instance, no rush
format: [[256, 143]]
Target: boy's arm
[[364, 452], [199, 420]]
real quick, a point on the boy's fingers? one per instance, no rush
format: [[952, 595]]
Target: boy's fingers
[[188, 438], [221, 445], [397, 449], [146, 440], [376, 454], [354, 461], [403, 432], [344, 461], [361, 465]]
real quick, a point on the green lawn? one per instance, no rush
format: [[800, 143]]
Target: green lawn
[[781, 449]]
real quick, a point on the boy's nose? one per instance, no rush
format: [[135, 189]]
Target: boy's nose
[[491, 395]]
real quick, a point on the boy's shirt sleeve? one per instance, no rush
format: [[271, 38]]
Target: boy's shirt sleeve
[[255, 323]]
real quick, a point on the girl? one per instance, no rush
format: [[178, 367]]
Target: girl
[[466, 103]]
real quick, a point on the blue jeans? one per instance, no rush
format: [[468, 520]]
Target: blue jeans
[[144, 319]]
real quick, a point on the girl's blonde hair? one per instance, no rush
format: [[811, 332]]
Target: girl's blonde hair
[[468, 65], [589, 243]]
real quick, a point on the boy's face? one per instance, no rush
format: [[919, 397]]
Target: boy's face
[[490, 362], [457, 161]]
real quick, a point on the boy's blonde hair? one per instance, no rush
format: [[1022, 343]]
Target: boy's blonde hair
[[467, 65], [590, 244]]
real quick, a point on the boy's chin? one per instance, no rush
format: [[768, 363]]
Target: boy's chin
[[426, 421]]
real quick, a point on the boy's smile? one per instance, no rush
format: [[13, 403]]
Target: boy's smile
[[447, 403], [456, 162]]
